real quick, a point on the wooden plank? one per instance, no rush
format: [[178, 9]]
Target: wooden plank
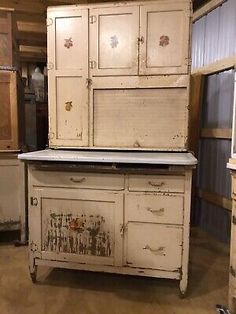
[[25, 6], [216, 133], [28, 38], [215, 199], [31, 27], [206, 8], [217, 66], [196, 96]]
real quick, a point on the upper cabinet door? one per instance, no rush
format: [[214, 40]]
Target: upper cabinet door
[[68, 76], [114, 36], [164, 38]]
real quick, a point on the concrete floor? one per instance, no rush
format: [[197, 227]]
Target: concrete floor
[[68, 291]]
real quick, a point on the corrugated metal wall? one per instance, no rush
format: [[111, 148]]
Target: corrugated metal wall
[[217, 111], [214, 35]]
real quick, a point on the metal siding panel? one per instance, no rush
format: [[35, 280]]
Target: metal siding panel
[[227, 30], [211, 96], [226, 99], [214, 176], [211, 38], [198, 41], [215, 220]]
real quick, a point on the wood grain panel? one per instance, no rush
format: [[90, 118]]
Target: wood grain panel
[[5, 111]]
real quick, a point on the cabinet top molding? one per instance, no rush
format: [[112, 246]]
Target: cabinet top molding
[[116, 4], [186, 159]]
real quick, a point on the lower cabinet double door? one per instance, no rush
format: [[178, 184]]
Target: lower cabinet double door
[[76, 221]]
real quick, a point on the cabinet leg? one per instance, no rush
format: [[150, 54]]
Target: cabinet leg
[[33, 270], [183, 287]]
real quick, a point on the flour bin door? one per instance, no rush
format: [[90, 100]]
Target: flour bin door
[[68, 77], [164, 48], [114, 36]]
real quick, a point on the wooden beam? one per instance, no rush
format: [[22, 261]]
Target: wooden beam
[[216, 133], [31, 27], [217, 66], [25, 6], [215, 199], [196, 96], [206, 9], [34, 39], [33, 17]]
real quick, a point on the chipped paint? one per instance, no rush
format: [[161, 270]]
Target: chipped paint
[[85, 235]]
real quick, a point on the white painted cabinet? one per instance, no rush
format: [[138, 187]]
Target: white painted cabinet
[[119, 75], [103, 218]]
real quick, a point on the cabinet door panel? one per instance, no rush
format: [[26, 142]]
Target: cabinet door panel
[[72, 110], [68, 73], [114, 41], [81, 226], [70, 42], [8, 111], [165, 45]]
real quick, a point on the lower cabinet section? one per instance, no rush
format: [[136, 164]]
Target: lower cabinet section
[[82, 224]]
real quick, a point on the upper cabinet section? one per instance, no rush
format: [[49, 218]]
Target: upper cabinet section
[[164, 38], [114, 36]]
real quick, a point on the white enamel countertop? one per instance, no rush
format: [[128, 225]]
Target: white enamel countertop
[[231, 166], [186, 159]]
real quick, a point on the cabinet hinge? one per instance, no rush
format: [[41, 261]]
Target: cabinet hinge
[[89, 82], [33, 201], [141, 40], [50, 65], [49, 22], [233, 220], [51, 135], [93, 19], [232, 271], [92, 64]]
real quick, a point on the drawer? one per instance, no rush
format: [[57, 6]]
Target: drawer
[[78, 180], [154, 208], [154, 246], [158, 183]]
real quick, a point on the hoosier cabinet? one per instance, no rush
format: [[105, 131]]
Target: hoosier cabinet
[[126, 213], [119, 75]]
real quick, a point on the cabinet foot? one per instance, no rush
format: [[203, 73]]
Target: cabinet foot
[[33, 275], [183, 288]]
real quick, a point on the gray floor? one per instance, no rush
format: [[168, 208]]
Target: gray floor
[[67, 291]]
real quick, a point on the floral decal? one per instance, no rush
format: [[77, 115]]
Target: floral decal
[[68, 43], [164, 41], [114, 41]]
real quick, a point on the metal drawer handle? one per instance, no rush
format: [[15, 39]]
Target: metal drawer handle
[[77, 180], [156, 211], [156, 184], [159, 251]]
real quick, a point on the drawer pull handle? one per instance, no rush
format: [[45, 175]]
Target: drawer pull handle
[[158, 251], [156, 184], [77, 180], [156, 211]]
